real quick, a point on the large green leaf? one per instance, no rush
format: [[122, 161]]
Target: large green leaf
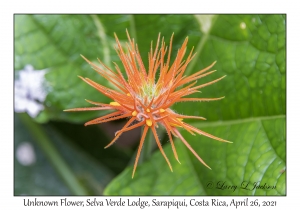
[[55, 42], [256, 155], [250, 50], [29, 179]]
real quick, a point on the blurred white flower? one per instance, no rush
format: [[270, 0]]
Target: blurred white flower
[[25, 154], [29, 91]]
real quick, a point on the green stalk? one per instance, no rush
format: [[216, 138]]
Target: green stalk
[[53, 156], [148, 147], [201, 44]]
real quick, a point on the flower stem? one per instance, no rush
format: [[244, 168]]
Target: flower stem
[[202, 42], [53, 156], [147, 148]]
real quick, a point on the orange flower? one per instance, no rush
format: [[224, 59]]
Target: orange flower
[[147, 100]]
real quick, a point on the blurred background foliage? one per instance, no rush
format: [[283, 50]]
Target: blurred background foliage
[[66, 158]]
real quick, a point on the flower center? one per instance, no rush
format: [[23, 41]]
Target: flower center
[[148, 91]]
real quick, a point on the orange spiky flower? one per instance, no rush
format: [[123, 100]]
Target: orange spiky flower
[[147, 101]]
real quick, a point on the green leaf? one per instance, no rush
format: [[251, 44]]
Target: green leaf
[[67, 169], [92, 140], [55, 42], [29, 178], [250, 50], [256, 155]]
